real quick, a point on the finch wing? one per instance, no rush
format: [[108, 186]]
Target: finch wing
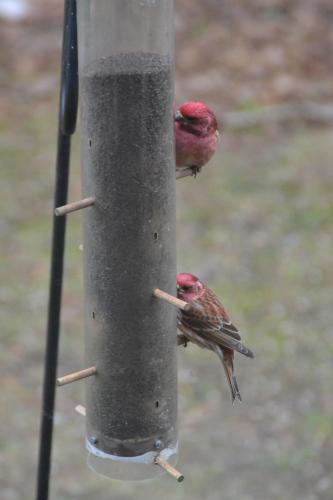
[[210, 332], [225, 340], [219, 325], [207, 317], [211, 313], [229, 329]]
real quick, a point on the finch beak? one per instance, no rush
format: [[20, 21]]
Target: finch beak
[[178, 117]]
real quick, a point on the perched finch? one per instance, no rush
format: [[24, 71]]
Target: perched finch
[[196, 137], [208, 325]]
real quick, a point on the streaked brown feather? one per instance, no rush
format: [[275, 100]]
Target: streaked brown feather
[[209, 319], [207, 324]]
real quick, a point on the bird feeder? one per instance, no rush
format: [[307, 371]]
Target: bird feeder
[[128, 181]]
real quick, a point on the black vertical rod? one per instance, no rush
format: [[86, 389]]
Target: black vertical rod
[[66, 127]]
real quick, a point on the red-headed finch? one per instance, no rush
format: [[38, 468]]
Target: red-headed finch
[[196, 137], [208, 325]]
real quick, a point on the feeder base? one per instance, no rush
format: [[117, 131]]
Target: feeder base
[[139, 468]]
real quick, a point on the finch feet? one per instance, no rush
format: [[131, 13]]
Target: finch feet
[[195, 171], [182, 340]]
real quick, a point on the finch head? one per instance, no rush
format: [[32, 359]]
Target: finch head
[[189, 287], [198, 118]]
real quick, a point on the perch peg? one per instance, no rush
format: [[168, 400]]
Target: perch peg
[[184, 172], [169, 469], [81, 410], [74, 205], [181, 304], [73, 377]]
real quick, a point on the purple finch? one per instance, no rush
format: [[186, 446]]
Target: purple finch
[[208, 325], [196, 137]]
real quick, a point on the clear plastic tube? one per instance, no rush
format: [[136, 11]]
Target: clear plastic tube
[[126, 94]]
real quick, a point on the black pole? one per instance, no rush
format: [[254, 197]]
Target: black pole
[[66, 127]]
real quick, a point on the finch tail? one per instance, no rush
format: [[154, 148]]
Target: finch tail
[[227, 358], [228, 368]]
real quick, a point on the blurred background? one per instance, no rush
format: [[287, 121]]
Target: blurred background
[[256, 225]]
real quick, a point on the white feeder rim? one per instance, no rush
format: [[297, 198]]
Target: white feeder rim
[[146, 458]]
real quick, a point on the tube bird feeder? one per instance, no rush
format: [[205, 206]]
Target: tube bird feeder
[[126, 96]]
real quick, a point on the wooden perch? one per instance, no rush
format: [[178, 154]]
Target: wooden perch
[[181, 304], [170, 469], [73, 377], [81, 410], [74, 205], [184, 172]]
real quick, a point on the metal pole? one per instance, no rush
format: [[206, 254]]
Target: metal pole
[[67, 122]]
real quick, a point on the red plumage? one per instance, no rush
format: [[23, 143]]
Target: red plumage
[[208, 325], [196, 137]]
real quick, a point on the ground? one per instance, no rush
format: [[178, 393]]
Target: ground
[[256, 225]]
